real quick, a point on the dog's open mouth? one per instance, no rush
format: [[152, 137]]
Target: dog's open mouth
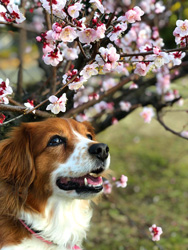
[[88, 183]]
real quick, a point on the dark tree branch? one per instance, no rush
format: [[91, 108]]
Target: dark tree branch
[[88, 104], [24, 110], [159, 119]]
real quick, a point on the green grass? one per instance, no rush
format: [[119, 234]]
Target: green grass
[[156, 164]]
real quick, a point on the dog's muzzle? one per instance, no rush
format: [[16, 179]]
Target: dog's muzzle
[[91, 182]]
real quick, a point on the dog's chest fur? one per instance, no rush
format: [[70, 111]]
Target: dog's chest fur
[[64, 223]]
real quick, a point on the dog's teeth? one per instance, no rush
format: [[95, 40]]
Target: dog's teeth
[[85, 181], [92, 174]]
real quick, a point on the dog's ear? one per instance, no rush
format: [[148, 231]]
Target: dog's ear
[[16, 169]]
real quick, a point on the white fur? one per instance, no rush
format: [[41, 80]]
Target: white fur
[[64, 222]]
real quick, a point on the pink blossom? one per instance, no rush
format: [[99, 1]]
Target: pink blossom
[[122, 182], [100, 31], [47, 48], [15, 13], [141, 69], [178, 38], [117, 30], [163, 83], [2, 118], [156, 50], [114, 121], [77, 83], [89, 70], [93, 96], [132, 15], [169, 96], [125, 106], [57, 104], [53, 58], [161, 59], [182, 27], [38, 21], [177, 57], [133, 86], [68, 34], [87, 36], [99, 107], [52, 36], [4, 100], [146, 6], [5, 90], [107, 187], [184, 133], [69, 75], [81, 118], [57, 27], [180, 102], [39, 39], [147, 114], [155, 232], [155, 32], [69, 53], [57, 6], [112, 55], [74, 10], [97, 4], [30, 105], [159, 7], [108, 84], [108, 58]]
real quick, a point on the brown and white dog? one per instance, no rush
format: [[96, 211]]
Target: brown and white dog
[[49, 172]]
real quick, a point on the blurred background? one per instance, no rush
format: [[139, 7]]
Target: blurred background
[[156, 164]]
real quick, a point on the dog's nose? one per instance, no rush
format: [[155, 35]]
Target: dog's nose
[[100, 150]]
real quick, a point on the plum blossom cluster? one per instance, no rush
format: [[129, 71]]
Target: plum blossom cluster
[[10, 12], [108, 185], [86, 29], [155, 232], [73, 27], [157, 60], [163, 86], [152, 6], [5, 90]]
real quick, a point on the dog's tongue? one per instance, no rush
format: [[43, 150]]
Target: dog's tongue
[[84, 180], [94, 180]]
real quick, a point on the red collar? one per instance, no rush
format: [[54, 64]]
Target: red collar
[[40, 237]]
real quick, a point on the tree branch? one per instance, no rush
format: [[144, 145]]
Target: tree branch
[[88, 104], [24, 110], [159, 119], [151, 52]]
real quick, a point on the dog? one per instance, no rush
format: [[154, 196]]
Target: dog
[[49, 173]]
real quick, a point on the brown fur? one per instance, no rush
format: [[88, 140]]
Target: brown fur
[[25, 166]]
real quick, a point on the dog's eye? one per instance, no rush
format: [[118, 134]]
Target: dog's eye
[[89, 137], [56, 140]]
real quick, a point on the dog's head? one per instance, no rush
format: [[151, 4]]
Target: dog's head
[[58, 157]]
